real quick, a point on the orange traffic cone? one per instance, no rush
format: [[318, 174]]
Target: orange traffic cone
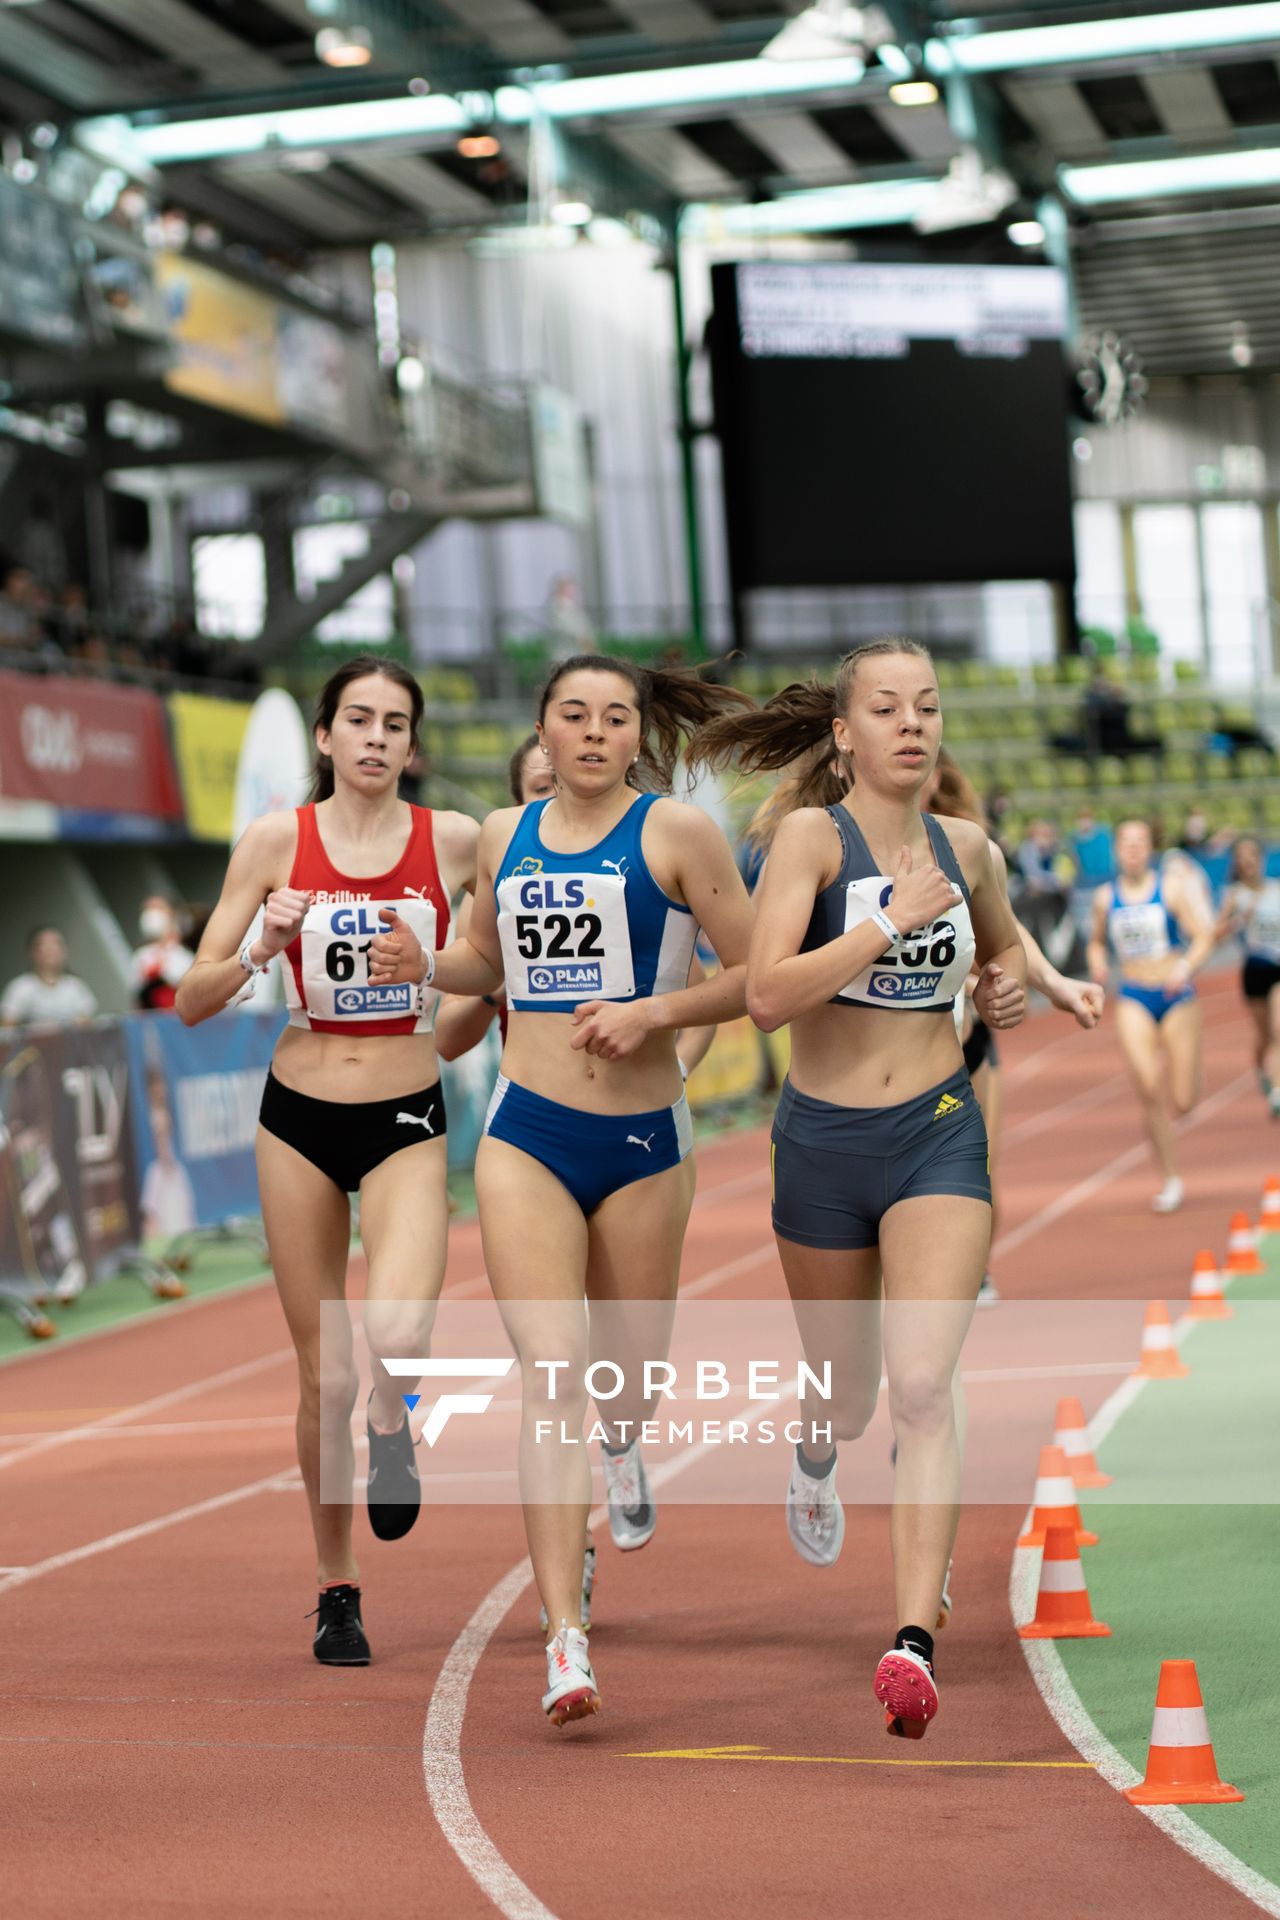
[[1208, 1301], [1159, 1357], [1054, 1502], [1062, 1609], [1181, 1769], [1269, 1219], [1072, 1435], [1242, 1255]]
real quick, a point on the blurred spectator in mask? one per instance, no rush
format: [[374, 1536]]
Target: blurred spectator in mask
[[568, 628], [47, 995], [1093, 850], [1040, 868], [159, 964]]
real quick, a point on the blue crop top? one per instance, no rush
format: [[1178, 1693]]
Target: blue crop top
[[593, 925]]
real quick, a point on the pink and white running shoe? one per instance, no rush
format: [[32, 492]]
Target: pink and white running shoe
[[571, 1692], [905, 1688]]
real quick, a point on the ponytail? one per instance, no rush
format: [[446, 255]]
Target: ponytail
[[792, 732], [675, 703]]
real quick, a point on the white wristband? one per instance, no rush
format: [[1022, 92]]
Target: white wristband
[[430, 973], [886, 927]]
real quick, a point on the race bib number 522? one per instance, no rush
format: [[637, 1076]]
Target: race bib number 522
[[565, 937]]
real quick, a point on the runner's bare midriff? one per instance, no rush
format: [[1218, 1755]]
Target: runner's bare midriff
[[864, 1057], [350, 1067], [538, 1056]]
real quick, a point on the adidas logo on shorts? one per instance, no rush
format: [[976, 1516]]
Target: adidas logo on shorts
[[947, 1104]]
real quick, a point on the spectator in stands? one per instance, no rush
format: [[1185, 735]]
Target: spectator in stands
[[47, 994], [1042, 891], [999, 803], [160, 963], [1104, 724], [1231, 734], [17, 623], [1194, 837], [1093, 850]]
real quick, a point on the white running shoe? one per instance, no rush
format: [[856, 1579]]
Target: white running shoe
[[944, 1605], [815, 1518], [987, 1292], [571, 1686], [632, 1514], [1169, 1198], [588, 1586]]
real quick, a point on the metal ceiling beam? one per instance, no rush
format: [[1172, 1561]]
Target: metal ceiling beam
[[188, 35]]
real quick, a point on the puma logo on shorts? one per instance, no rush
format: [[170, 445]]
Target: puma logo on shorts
[[417, 1120]]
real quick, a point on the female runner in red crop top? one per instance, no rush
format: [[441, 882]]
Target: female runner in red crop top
[[353, 1101]]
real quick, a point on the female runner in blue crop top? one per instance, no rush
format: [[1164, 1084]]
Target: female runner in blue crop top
[[1154, 922], [588, 906], [868, 918]]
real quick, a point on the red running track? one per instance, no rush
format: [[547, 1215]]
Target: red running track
[[168, 1744]]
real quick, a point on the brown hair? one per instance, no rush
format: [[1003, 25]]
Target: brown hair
[[792, 732], [955, 796], [515, 767], [675, 704], [329, 699]]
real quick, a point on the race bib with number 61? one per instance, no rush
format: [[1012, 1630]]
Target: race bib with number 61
[[336, 938], [565, 937]]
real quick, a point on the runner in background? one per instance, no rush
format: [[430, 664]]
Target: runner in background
[[589, 904], [869, 917], [954, 797], [1155, 922], [353, 1099], [1251, 911]]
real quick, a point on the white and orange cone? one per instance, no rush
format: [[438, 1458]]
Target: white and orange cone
[[1181, 1769], [1159, 1359], [1242, 1254], [1054, 1502], [1208, 1302], [1269, 1218], [1062, 1608], [1072, 1434]]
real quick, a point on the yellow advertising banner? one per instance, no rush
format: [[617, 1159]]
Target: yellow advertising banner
[[225, 337], [207, 737]]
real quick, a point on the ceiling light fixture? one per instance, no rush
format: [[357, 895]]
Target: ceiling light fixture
[[1240, 171], [571, 213], [479, 146], [1026, 233], [968, 196], [1158, 33], [913, 93], [872, 203], [344, 46], [827, 30]]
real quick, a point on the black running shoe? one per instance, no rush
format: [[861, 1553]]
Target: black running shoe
[[395, 1492], [340, 1640]]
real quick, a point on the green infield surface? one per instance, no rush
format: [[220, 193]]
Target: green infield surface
[[218, 1267], [1188, 1560]]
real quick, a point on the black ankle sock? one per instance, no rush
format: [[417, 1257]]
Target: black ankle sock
[[917, 1640], [616, 1451], [816, 1469]]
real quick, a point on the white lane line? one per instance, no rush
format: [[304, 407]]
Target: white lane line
[[729, 1271], [167, 1430], [19, 1577], [442, 1766], [125, 1416], [1085, 1189]]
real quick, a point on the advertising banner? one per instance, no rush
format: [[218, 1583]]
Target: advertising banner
[[197, 1091], [86, 748], [39, 281], [68, 1155], [224, 336], [208, 736]]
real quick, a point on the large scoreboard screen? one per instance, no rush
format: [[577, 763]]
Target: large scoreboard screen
[[886, 424]]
